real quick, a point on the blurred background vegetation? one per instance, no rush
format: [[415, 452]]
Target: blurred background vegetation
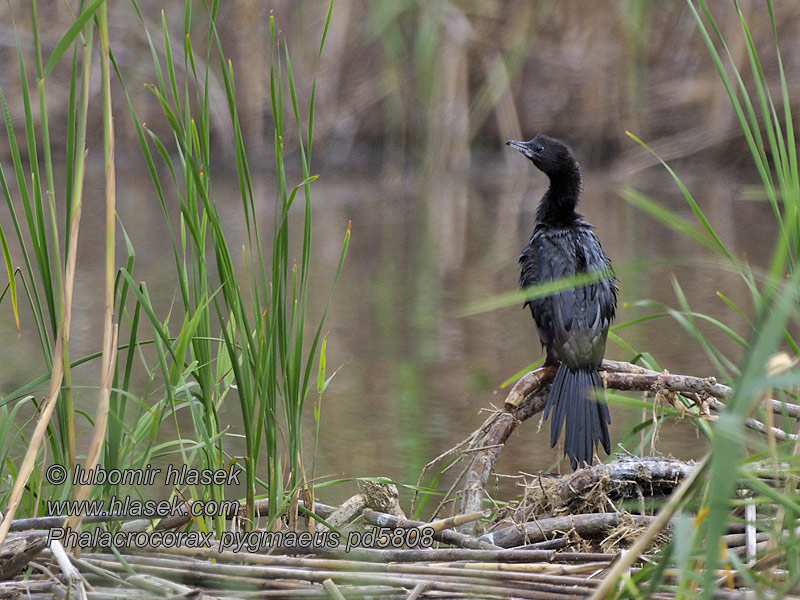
[[414, 101], [437, 79]]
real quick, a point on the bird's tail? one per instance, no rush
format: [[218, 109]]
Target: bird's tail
[[576, 401]]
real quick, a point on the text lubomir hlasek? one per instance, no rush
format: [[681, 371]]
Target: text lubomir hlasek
[[147, 476]]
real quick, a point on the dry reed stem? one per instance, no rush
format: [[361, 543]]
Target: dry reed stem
[[73, 576], [56, 375], [448, 536], [99, 432], [427, 555], [57, 520], [110, 331], [455, 521], [418, 590], [215, 574], [332, 590]]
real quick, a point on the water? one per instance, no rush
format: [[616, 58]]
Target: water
[[413, 376]]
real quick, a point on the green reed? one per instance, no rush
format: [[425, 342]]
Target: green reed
[[704, 511], [44, 221], [245, 329], [239, 330]]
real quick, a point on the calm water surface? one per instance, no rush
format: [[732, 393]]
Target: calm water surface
[[413, 376]]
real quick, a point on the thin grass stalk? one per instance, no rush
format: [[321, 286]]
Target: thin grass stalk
[[110, 194], [201, 342], [109, 349], [33, 202], [31, 288], [252, 379], [116, 433], [48, 163], [44, 237], [782, 146], [35, 442], [67, 411], [46, 313], [198, 213], [773, 310], [98, 435]]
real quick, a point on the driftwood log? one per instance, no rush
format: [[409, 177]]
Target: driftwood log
[[587, 526], [529, 395], [17, 551], [630, 476]]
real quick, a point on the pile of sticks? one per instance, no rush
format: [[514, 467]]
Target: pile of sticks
[[531, 554]]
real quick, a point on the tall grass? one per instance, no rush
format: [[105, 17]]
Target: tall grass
[[262, 355], [49, 268], [705, 511], [240, 330]]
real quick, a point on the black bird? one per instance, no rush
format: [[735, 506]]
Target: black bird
[[572, 324]]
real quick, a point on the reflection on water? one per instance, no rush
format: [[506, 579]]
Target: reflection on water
[[413, 377]]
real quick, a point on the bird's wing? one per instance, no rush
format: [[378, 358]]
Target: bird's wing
[[572, 324]]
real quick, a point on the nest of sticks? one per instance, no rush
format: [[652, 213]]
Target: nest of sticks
[[558, 540]]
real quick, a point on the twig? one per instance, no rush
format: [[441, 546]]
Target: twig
[[332, 590], [754, 424], [625, 376], [503, 425], [448, 536]]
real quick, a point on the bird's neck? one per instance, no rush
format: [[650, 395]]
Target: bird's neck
[[557, 206]]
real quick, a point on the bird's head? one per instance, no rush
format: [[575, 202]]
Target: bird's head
[[550, 156]]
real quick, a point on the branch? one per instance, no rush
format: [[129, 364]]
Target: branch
[[529, 395]]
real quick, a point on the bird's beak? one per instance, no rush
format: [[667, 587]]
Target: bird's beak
[[521, 147]]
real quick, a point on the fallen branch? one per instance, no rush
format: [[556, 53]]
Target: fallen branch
[[625, 477], [529, 395], [591, 525]]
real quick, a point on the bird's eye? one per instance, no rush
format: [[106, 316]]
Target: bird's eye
[[539, 148]]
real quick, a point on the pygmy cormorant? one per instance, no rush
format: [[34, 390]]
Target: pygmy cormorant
[[572, 324]]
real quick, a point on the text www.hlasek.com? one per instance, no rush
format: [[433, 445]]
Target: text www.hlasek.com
[[131, 507]]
